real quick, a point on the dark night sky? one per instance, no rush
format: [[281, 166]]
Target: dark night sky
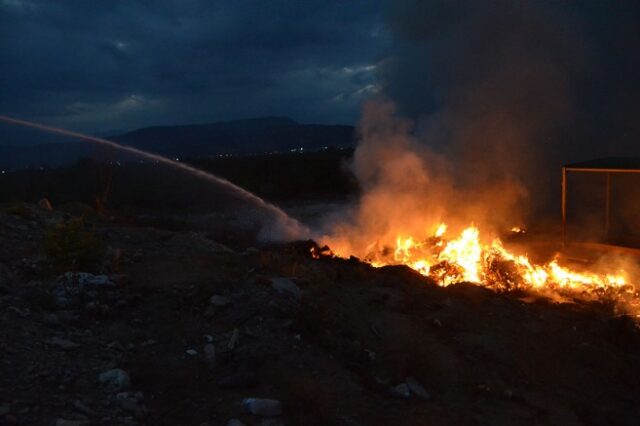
[[564, 73], [104, 66]]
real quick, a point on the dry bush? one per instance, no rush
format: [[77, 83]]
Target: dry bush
[[72, 246], [18, 209]]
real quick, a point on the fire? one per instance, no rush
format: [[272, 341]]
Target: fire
[[407, 187], [442, 228], [466, 252], [518, 230], [467, 258]]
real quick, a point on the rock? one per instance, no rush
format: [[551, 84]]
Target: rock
[[71, 284], [234, 339], [51, 319], [416, 388], [61, 300], [137, 255], [129, 421], [240, 380], [22, 313], [401, 391], [45, 204], [64, 344], [285, 285], [120, 279], [83, 279], [191, 352], [5, 409], [262, 406], [98, 280], [210, 312], [210, 355], [63, 422], [122, 395], [103, 309], [116, 377], [80, 406], [235, 422], [270, 422], [129, 404], [132, 403], [220, 301], [262, 280]]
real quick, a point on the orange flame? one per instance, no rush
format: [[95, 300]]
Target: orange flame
[[468, 259]]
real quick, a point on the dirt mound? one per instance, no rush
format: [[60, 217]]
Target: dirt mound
[[192, 328]]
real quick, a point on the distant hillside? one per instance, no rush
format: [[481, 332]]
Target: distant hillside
[[255, 136], [239, 137]]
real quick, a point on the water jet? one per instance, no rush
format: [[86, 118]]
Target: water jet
[[280, 226]]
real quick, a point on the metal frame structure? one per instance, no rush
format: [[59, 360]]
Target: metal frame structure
[[603, 165]]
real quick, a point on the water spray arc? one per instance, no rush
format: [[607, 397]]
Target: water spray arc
[[284, 225]]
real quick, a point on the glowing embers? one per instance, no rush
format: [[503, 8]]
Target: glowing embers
[[320, 252], [518, 230]]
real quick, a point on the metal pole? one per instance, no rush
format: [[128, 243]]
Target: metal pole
[[607, 206], [564, 206]]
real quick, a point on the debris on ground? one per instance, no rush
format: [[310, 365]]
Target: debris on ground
[[181, 330]]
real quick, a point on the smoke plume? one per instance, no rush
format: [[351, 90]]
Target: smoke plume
[[483, 101]]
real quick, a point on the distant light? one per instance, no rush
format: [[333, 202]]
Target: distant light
[[177, 159], [4, 171]]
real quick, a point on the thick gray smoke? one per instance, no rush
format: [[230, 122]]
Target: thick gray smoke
[[484, 100], [511, 89]]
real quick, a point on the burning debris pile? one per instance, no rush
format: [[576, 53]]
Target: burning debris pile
[[468, 259], [408, 189]]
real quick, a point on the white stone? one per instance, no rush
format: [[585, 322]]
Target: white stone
[[401, 391], [116, 377], [285, 285], [416, 388]]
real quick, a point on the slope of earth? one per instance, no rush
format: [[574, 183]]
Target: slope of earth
[[335, 341]]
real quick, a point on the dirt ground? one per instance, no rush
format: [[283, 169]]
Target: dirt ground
[[335, 341]]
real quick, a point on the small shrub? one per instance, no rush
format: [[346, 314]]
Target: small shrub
[[18, 209], [71, 246]]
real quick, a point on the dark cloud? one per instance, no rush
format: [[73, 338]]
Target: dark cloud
[[103, 65]]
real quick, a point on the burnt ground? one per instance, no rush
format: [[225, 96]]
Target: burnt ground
[[330, 341]]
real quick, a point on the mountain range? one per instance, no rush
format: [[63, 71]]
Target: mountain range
[[238, 137]]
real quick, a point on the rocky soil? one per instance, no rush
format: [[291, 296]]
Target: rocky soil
[[174, 328]]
